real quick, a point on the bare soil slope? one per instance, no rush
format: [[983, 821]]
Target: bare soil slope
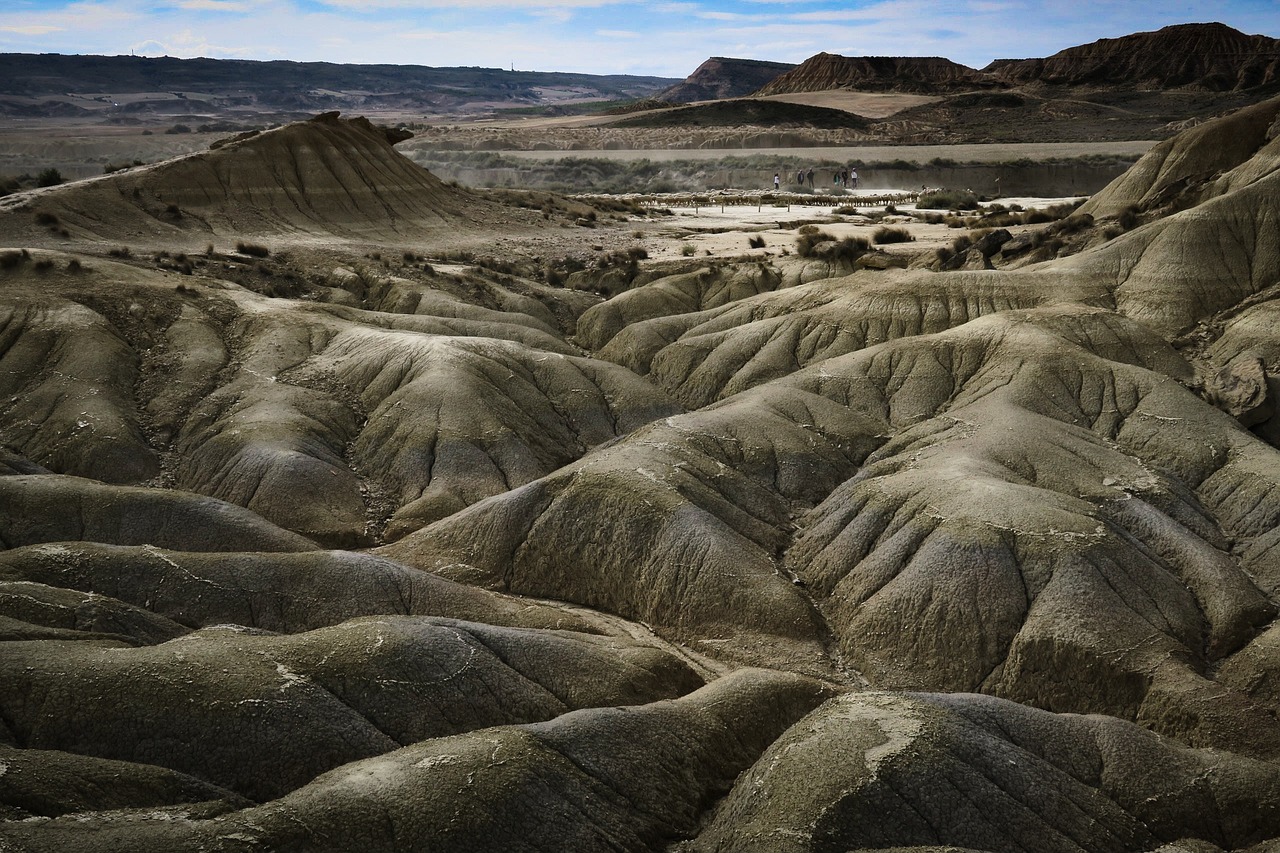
[[790, 552], [325, 177]]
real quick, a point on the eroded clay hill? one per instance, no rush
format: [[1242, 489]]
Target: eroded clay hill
[[325, 177], [767, 556], [1203, 56], [876, 73]]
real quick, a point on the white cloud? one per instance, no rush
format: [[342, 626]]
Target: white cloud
[[215, 6], [32, 30], [527, 5]]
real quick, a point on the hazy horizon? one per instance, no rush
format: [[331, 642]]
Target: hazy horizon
[[595, 36]]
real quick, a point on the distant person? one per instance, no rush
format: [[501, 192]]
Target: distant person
[[809, 174], [800, 177], [777, 182], [853, 176]]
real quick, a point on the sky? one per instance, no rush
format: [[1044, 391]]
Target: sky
[[667, 39]]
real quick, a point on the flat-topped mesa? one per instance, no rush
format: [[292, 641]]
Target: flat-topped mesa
[[878, 73], [722, 77], [1212, 57]]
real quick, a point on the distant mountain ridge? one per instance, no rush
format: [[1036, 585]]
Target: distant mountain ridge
[[1207, 57], [32, 79]]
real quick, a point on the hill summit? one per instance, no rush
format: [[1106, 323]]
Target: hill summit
[[876, 73], [1213, 57], [721, 77], [325, 176]]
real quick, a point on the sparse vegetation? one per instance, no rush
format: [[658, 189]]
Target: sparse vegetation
[[811, 238], [45, 218], [112, 168], [948, 200], [13, 258], [688, 250], [885, 234], [756, 242], [50, 177], [120, 252], [253, 250]]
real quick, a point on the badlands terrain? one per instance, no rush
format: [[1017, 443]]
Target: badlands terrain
[[345, 508]]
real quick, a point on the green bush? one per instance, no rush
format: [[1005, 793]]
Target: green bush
[[50, 177]]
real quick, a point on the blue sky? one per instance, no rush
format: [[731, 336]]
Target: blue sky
[[597, 36]]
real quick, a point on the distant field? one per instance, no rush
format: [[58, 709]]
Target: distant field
[[869, 153]]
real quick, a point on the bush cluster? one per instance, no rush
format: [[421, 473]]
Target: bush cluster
[[253, 250], [884, 234]]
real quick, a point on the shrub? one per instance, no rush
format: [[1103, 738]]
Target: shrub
[[49, 178], [850, 248], [178, 128], [173, 210], [112, 168], [121, 252], [45, 218], [13, 258], [688, 250], [846, 210], [44, 265], [885, 234], [756, 242], [948, 200], [961, 244], [1128, 218], [253, 250], [74, 265]]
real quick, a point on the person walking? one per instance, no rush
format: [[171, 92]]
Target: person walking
[[809, 175], [777, 182]]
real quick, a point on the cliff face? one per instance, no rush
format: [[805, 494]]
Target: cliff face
[[720, 77], [884, 73], [1214, 57]]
